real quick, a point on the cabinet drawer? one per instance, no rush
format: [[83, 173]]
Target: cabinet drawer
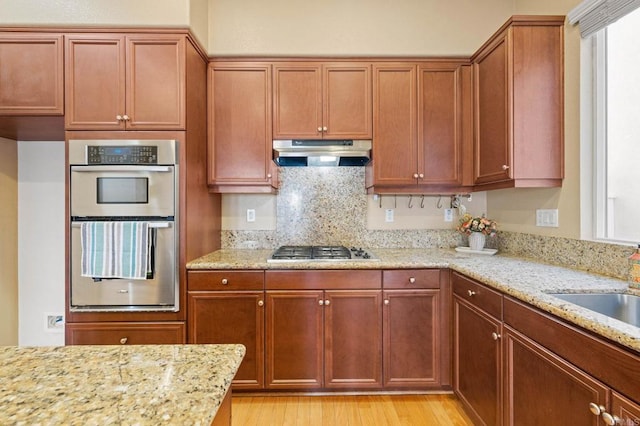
[[116, 333], [225, 280], [323, 280], [411, 278], [477, 294]]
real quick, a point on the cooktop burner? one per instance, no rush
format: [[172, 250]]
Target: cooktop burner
[[314, 253]]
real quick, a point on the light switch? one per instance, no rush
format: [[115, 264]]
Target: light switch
[[388, 215], [251, 215], [547, 218]]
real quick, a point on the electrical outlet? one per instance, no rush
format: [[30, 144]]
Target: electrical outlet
[[547, 218], [388, 215], [251, 215], [53, 322], [448, 215]]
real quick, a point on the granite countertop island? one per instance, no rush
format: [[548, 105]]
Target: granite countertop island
[[523, 279], [115, 385]]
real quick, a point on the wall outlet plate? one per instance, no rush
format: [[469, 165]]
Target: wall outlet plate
[[53, 322], [388, 215], [448, 215], [251, 215]]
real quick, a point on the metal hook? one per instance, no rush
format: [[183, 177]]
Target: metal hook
[[422, 203], [439, 204], [410, 201]]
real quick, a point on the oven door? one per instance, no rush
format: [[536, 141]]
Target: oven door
[[117, 191], [160, 292]]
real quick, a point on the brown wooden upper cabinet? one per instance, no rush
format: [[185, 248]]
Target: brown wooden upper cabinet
[[125, 82], [240, 127], [31, 74], [519, 104], [322, 101], [421, 127]]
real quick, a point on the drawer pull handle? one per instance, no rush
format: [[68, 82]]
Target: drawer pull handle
[[327, 302], [386, 301], [471, 293], [610, 419], [260, 303], [495, 336], [596, 409], [412, 280], [123, 341], [320, 302], [225, 281]]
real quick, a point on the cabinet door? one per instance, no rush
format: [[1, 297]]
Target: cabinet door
[[625, 411], [155, 82], [232, 317], [395, 152], [493, 150], [31, 74], [411, 336], [94, 82], [125, 333], [440, 130], [294, 339], [477, 362], [297, 102], [353, 339], [239, 125], [346, 101], [541, 388]]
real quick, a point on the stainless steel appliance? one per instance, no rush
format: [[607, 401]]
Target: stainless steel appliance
[[323, 152], [126, 180], [320, 253]]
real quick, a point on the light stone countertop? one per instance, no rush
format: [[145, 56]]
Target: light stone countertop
[[523, 279], [115, 385]]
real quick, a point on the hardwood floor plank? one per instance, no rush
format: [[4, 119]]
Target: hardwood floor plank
[[348, 410]]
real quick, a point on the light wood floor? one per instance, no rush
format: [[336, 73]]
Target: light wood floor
[[357, 410]]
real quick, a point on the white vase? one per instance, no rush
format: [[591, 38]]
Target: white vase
[[476, 241]]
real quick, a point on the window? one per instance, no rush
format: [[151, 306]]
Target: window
[[616, 130]]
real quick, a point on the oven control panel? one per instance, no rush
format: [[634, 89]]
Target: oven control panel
[[132, 154]]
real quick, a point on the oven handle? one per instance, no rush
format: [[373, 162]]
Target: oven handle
[[151, 224], [121, 169]]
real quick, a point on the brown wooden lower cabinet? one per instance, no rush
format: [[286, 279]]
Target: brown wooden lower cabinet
[[522, 366], [337, 332], [231, 317], [543, 389], [125, 333]]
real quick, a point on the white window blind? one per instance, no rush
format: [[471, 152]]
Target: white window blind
[[594, 15]]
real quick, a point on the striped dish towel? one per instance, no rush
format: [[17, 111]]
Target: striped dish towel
[[115, 249]]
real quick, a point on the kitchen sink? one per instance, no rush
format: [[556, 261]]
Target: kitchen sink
[[623, 307]]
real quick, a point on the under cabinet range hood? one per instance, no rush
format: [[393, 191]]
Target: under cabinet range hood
[[314, 152]]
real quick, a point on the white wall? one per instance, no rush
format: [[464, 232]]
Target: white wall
[[41, 260]]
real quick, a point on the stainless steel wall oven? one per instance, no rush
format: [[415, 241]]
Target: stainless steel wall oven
[[123, 197]]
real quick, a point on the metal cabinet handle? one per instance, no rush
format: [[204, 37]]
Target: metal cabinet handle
[[269, 176], [505, 167], [386, 301], [119, 117], [471, 293], [327, 302], [324, 129], [495, 336], [260, 302], [126, 117], [225, 281], [421, 175], [123, 341], [320, 302], [596, 409], [412, 280], [610, 419], [319, 128], [415, 176]]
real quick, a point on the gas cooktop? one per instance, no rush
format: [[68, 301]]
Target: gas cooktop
[[319, 253]]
